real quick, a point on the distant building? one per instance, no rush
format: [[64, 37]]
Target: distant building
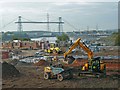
[[5, 54], [17, 44]]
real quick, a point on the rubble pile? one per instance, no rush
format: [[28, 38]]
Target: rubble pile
[[9, 70]]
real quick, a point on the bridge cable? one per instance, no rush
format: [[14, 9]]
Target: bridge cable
[[71, 25], [27, 19], [8, 23]]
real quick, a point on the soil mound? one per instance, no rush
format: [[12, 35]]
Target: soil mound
[[77, 63], [41, 63], [9, 70], [13, 62]]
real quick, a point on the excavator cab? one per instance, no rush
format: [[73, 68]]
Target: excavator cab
[[95, 65], [98, 65]]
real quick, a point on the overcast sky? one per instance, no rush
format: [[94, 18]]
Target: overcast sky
[[76, 15]]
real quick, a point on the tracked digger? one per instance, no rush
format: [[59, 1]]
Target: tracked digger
[[93, 66]]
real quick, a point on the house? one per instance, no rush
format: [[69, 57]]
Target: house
[[5, 54], [17, 44], [29, 45]]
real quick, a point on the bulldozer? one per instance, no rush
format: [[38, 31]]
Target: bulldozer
[[93, 66]]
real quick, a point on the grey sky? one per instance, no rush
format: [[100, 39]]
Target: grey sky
[[80, 15]]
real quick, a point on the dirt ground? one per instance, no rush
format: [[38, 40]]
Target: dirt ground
[[32, 77]]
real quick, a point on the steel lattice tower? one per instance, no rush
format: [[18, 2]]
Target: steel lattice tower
[[48, 22], [60, 25], [19, 24]]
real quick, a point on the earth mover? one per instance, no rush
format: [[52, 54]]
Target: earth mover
[[58, 72], [52, 50], [94, 65]]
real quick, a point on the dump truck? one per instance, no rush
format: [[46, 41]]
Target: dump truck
[[57, 71]]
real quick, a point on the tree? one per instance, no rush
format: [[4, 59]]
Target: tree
[[62, 39], [117, 39], [26, 39], [22, 39], [21, 36]]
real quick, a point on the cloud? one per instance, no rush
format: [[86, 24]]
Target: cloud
[[25, 8], [59, 1], [79, 14]]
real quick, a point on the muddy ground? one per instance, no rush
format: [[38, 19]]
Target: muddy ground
[[31, 76]]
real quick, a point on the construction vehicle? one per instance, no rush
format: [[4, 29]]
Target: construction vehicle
[[54, 49], [94, 65], [58, 72]]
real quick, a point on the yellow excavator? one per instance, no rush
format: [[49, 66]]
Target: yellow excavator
[[54, 49], [93, 64]]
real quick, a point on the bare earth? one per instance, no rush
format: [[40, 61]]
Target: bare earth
[[32, 77]]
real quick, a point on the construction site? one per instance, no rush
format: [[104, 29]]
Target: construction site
[[62, 70], [60, 57]]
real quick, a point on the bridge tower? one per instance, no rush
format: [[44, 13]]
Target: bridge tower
[[60, 27], [87, 28], [48, 22], [97, 27], [19, 24]]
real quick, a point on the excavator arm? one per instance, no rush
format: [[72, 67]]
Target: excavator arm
[[83, 46], [72, 47]]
